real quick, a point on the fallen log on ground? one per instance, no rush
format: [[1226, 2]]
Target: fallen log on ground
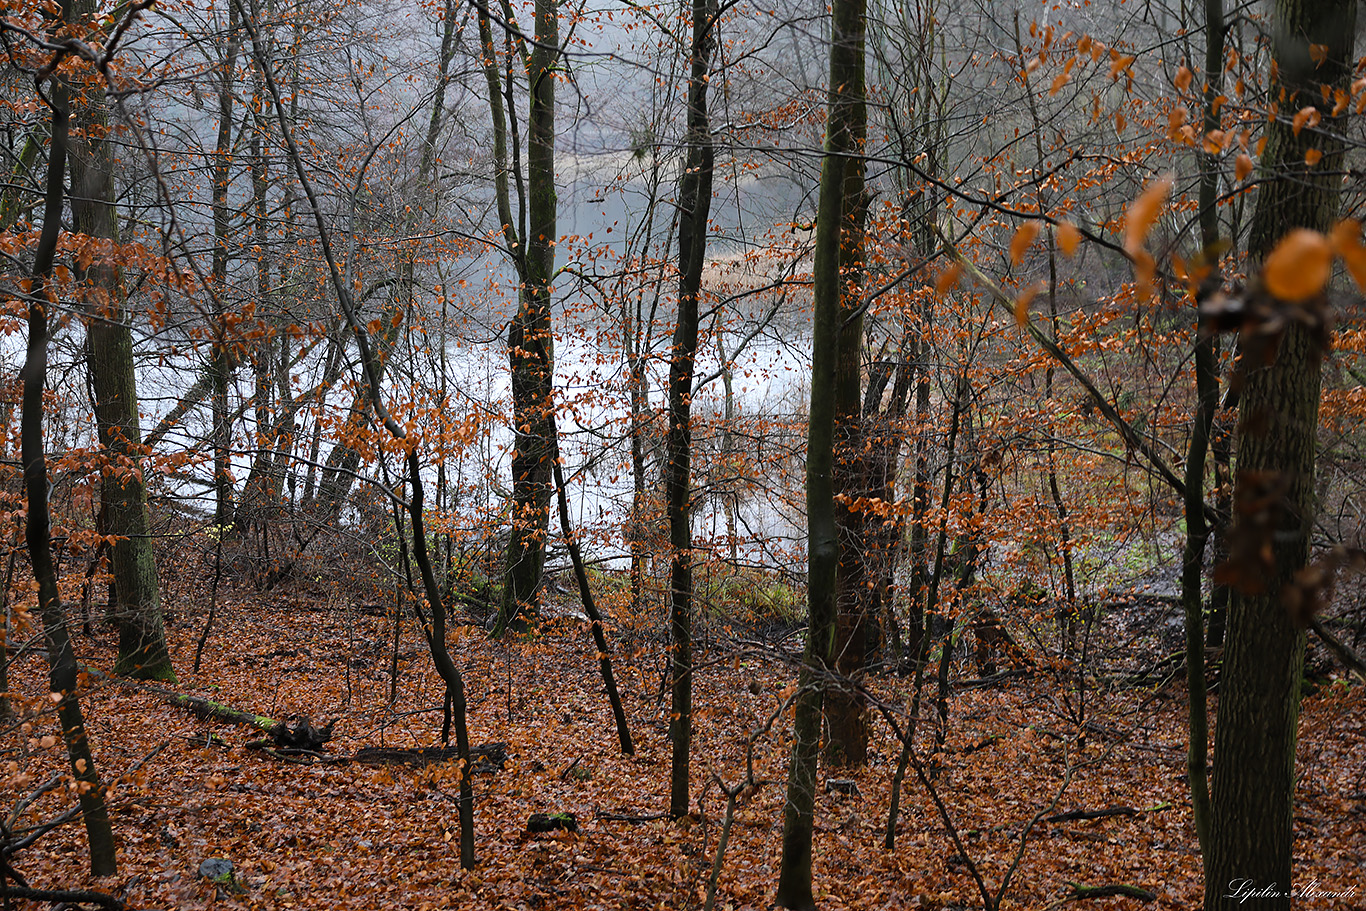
[[1091, 814], [204, 709], [486, 758], [301, 740], [208, 710], [1128, 891], [1102, 814], [65, 897]]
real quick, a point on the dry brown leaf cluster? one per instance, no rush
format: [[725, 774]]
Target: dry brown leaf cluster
[[344, 835]]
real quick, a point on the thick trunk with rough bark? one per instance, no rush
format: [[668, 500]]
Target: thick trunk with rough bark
[[109, 344], [1254, 755], [531, 350], [845, 707]]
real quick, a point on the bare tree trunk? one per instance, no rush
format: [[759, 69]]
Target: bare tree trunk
[[694, 204], [62, 675], [109, 340], [590, 608], [223, 360], [1254, 750], [884, 429], [847, 29], [845, 706], [1207, 402], [531, 349]]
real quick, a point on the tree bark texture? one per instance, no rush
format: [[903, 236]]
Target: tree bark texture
[[62, 676], [109, 343], [1202, 422], [531, 353], [847, 29], [845, 707], [1274, 501], [694, 204]]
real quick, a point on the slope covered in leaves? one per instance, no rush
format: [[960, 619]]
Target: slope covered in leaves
[[340, 834]]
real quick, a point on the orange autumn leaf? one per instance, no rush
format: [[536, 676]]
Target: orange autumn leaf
[[1019, 244], [1312, 157], [948, 278], [1069, 238], [1142, 215], [1145, 270], [1183, 78], [1119, 63], [1022, 305], [1179, 268], [1340, 100], [1242, 167], [1305, 117], [1175, 121], [1299, 267], [1347, 244], [1061, 80]]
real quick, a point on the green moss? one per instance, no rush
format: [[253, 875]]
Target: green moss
[[161, 671], [753, 597]]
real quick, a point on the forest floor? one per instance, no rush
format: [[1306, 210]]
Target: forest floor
[[347, 835]]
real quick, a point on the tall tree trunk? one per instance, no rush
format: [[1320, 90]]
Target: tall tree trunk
[[637, 329], [531, 351], [62, 677], [694, 204], [847, 28], [1254, 754], [253, 512], [109, 340], [845, 706], [223, 361], [917, 623], [1207, 401], [640, 529]]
